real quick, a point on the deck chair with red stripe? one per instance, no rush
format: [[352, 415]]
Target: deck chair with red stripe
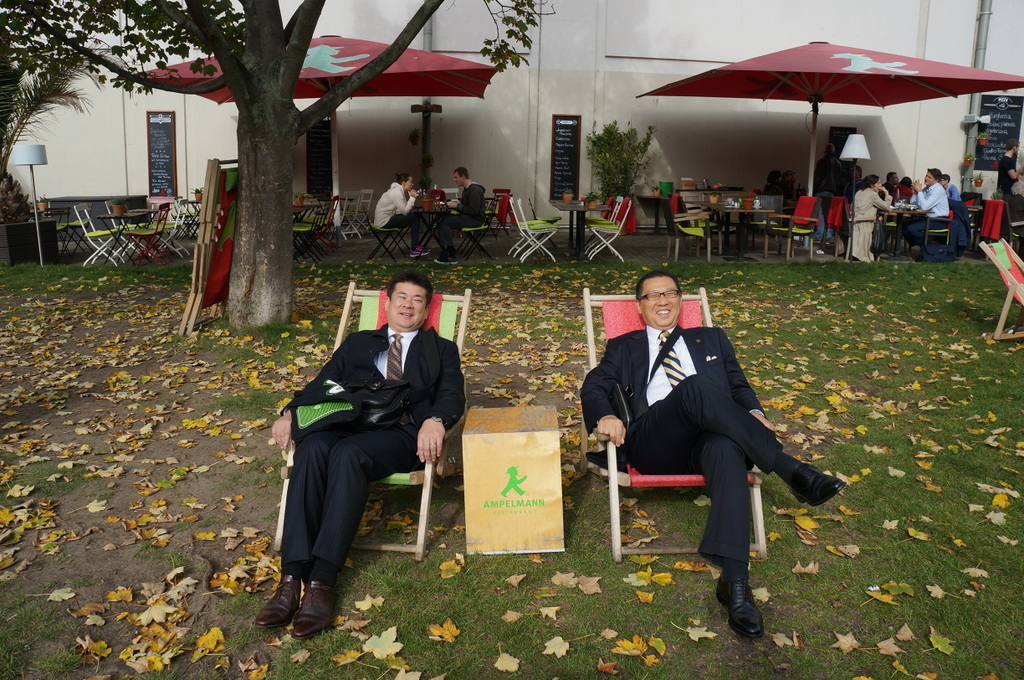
[[618, 315], [1011, 268], [448, 315]]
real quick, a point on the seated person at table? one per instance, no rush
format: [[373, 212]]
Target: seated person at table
[[789, 188], [951, 191], [866, 205], [696, 414], [334, 467], [930, 197], [394, 210], [773, 185], [905, 188], [891, 180], [471, 214]]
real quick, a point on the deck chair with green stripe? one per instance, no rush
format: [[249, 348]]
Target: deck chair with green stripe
[[448, 315], [1011, 268]]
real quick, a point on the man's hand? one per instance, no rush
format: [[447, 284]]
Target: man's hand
[[429, 440], [282, 430], [918, 186], [613, 428], [764, 421], [452, 204]]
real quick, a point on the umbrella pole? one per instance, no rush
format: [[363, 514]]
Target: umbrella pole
[[814, 144]]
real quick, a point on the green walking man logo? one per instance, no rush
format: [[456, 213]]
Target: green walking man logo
[[514, 480]]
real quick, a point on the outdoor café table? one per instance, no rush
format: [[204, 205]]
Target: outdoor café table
[[743, 222], [577, 223], [901, 215], [116, 224]]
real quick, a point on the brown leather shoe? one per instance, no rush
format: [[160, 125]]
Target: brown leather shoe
[[316, 611], [282, 606]]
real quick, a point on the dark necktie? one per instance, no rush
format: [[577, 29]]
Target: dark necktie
[[395, 358], [395, 366], [671, 364]]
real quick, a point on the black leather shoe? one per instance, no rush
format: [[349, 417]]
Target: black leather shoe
[[812, 486], [744, 616], [282, 606], [316, 611]]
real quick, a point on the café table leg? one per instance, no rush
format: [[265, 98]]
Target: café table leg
[[741, 238], [896, 257]]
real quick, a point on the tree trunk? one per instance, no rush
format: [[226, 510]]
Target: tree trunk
[[261, 272]]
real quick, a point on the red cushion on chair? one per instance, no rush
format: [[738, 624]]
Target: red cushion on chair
[[992, 219], [620, 316], [836, 213], [637, 478]]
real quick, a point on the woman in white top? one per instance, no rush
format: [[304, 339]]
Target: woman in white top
[[866, 205], [394, 210]]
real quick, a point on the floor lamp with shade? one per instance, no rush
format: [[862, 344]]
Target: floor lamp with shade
[[855, 149], [32, 155]]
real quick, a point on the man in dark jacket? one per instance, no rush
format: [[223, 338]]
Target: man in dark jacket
[[333, 468], [698, 415], [471, 214], [828, 178]]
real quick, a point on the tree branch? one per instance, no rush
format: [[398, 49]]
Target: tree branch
[[333, 98]]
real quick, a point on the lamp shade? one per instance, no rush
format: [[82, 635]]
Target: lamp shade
[[29, 154], [856, 148]]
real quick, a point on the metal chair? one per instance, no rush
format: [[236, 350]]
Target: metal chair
[[533, 234]]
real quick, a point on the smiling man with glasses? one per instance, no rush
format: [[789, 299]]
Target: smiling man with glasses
[[696, 413]]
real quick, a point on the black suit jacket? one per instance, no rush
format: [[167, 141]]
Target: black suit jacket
[[445, 396], [626, 362]]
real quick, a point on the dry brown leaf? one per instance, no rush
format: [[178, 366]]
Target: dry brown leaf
[[847, 642], [515, 579], [889, 647]]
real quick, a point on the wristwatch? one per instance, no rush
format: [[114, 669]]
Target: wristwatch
[[438, 420]]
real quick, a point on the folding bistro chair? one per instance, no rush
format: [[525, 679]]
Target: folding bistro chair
[[102, 241], [1011, 269], [533, 234], [388, 239], [801, 223], [602, 235], [448, 315], [148, 239], [618, 316], [347, 223]]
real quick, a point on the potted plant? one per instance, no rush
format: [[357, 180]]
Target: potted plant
[[425, 198], [714, 195], [118, 206], [198, 193], [591, 199], [978, 179], [656, 192], [427, 160], [968, 159], [43, 203], [566, 196], [982, 139], [414, 136], [997, 195], [299, 198], [748, 200]]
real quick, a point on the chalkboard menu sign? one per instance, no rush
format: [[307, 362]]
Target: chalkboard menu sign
[[565, 155], [319, 175], [1005, 112], [160, 137]]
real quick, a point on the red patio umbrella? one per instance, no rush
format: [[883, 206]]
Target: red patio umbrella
[[820, 72], [331, 58]]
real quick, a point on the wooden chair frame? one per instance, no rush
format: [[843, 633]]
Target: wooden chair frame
[[802, 224], [1013, 277], [450, 319], [696, 312], [688, 223]]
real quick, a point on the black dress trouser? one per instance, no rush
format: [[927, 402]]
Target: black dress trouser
[[699, 429], [329, 486]]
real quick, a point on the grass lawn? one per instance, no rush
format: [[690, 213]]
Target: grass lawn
[[876, 372]]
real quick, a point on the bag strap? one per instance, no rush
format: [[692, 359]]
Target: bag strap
[[666, 347]]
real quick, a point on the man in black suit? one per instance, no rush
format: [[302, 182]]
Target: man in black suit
[[696, 413], [333, 468]]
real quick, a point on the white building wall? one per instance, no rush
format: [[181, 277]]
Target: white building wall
[[591, 59]]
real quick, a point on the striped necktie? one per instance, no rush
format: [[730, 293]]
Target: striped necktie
[[671, 364], [395, 358]]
